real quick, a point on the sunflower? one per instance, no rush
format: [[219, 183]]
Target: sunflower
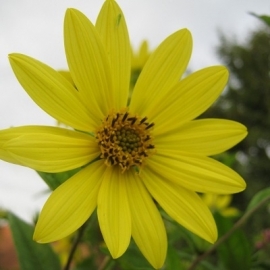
[[134, 156]]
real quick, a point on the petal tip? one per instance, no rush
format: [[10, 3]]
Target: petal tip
[[186, 34], [243, 187], [116, 254], [71, 12], [37, 238], [186, 31], [13, 57], [240, 186], [211, 234], [43, 239], [224, 71], [213, 238]]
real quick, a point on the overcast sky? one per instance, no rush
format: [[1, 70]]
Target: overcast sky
[[35, 28]]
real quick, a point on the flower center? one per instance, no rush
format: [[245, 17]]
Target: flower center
[[125, 140]]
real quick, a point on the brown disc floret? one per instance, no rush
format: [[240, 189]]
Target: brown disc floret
[[125, 140]]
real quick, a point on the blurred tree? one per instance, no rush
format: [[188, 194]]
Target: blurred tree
[[247, 100]]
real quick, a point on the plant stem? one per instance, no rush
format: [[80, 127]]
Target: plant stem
[[224, 237], [74, 246]]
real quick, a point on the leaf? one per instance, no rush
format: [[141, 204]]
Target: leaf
[[54, 180], [259, 197], [88, 263], [173, 260], [32, 256], [263, 18], [188, 258], [235, 252], [260, 260]]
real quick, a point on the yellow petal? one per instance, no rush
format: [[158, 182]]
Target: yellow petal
[[163, 70], [113, 211], [184, 206], [210, 199], [53, 93], [194, 172], [6, 135], [223, 201], [138, 60], [112, 28], [230, 212], [14, 132], [220, 203], [148, 229], [88, 64], [51, 149], [6, 156], [204, 137], [188, 99], [70, 205]]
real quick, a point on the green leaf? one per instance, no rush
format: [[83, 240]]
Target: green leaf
[[88, 263], [173, 260], [187, 259], [260, 197], [235, 252], [260, 260], [32, 256], [54, 180], [263, 18]]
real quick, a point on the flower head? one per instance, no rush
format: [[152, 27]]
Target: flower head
[[138, 61], [151, 149], [221, 204], [139, 58]]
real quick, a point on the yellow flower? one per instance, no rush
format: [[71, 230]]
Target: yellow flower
[[221, 204], [139, 59], [152, 149]]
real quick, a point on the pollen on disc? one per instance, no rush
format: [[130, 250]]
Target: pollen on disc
[[125, 140]]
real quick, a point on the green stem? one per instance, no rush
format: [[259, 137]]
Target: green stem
[[74, 246], [224, 237]]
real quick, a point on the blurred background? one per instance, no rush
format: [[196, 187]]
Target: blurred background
[[223, 33]]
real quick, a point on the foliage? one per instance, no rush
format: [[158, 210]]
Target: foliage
[[247, 100], [31, 255], [263, 18]]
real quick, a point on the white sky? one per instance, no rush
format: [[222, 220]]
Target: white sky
[[35, 28]]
